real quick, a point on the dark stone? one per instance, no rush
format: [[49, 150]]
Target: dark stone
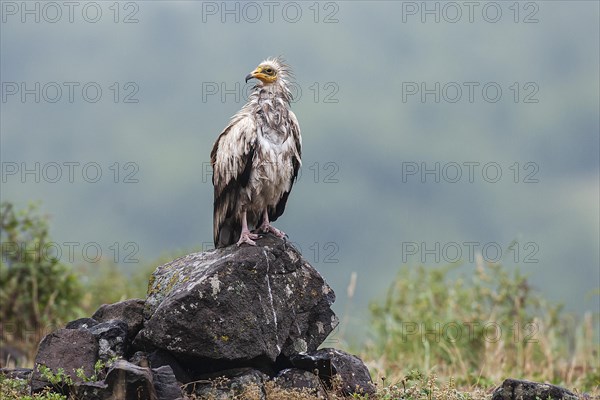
[[165, 384], [228, 384], [81, 323], [354, 375], [130, 311], [112, 339], [69, 349], [129, 382], [11, 357], [293, 378], [513, 389], [312, 363], [159, 358], [92, 391], [140, 359], [238, 305], [16, 373]]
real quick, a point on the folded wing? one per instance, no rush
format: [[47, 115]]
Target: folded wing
[[231, 160]]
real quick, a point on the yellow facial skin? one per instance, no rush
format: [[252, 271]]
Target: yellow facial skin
[[264, 73]]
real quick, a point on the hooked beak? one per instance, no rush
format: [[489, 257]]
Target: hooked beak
[[254, 74]]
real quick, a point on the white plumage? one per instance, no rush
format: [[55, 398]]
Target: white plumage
[[256, 159]]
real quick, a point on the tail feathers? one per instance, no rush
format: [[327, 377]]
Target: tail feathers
[[228, 233]]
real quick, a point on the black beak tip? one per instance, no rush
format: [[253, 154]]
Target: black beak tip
[[248, 77]]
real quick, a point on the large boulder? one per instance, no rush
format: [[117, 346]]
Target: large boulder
[[238, 304]]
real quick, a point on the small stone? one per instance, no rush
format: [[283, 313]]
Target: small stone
[[131, 311], [228, 384], [140, 359], [351, 370], [514, 389], [92, 391], [159, 358], [165, 384], [112, 339], [129, 382], [293, 378], [11, 357], [16, 373], [81, 323]]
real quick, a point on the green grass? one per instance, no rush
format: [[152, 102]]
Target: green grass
[[478, 327]]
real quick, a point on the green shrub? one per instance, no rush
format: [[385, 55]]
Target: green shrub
[[480, 328], [37, 292]]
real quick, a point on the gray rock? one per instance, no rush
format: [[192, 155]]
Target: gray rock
[[81, 323], [293, 378], [112, 339], [238, 304], [228, 384], [354, 374], [16, 373], [129, 382], [130, 311], [69, 349], [92, 391], [165, 384], [11, 356], [159, 358], [140, 359], [513, 389]]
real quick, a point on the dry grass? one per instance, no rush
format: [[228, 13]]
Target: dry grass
[[424, 388]]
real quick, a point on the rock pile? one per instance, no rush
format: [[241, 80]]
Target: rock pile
[[212, 324]]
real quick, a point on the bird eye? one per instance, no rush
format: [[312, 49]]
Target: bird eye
[[269, 70]]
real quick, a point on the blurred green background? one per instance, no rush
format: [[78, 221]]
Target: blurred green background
[[168, 72]]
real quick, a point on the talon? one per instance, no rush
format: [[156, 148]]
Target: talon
[[248, 238], [267, 228]]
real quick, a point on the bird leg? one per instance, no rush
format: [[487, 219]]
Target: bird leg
[[247, 236], [266, 227]]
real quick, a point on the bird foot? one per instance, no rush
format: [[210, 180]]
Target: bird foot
[[248, 238], [268, 228]]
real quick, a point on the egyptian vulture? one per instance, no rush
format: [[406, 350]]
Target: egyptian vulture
[[256, 159]]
